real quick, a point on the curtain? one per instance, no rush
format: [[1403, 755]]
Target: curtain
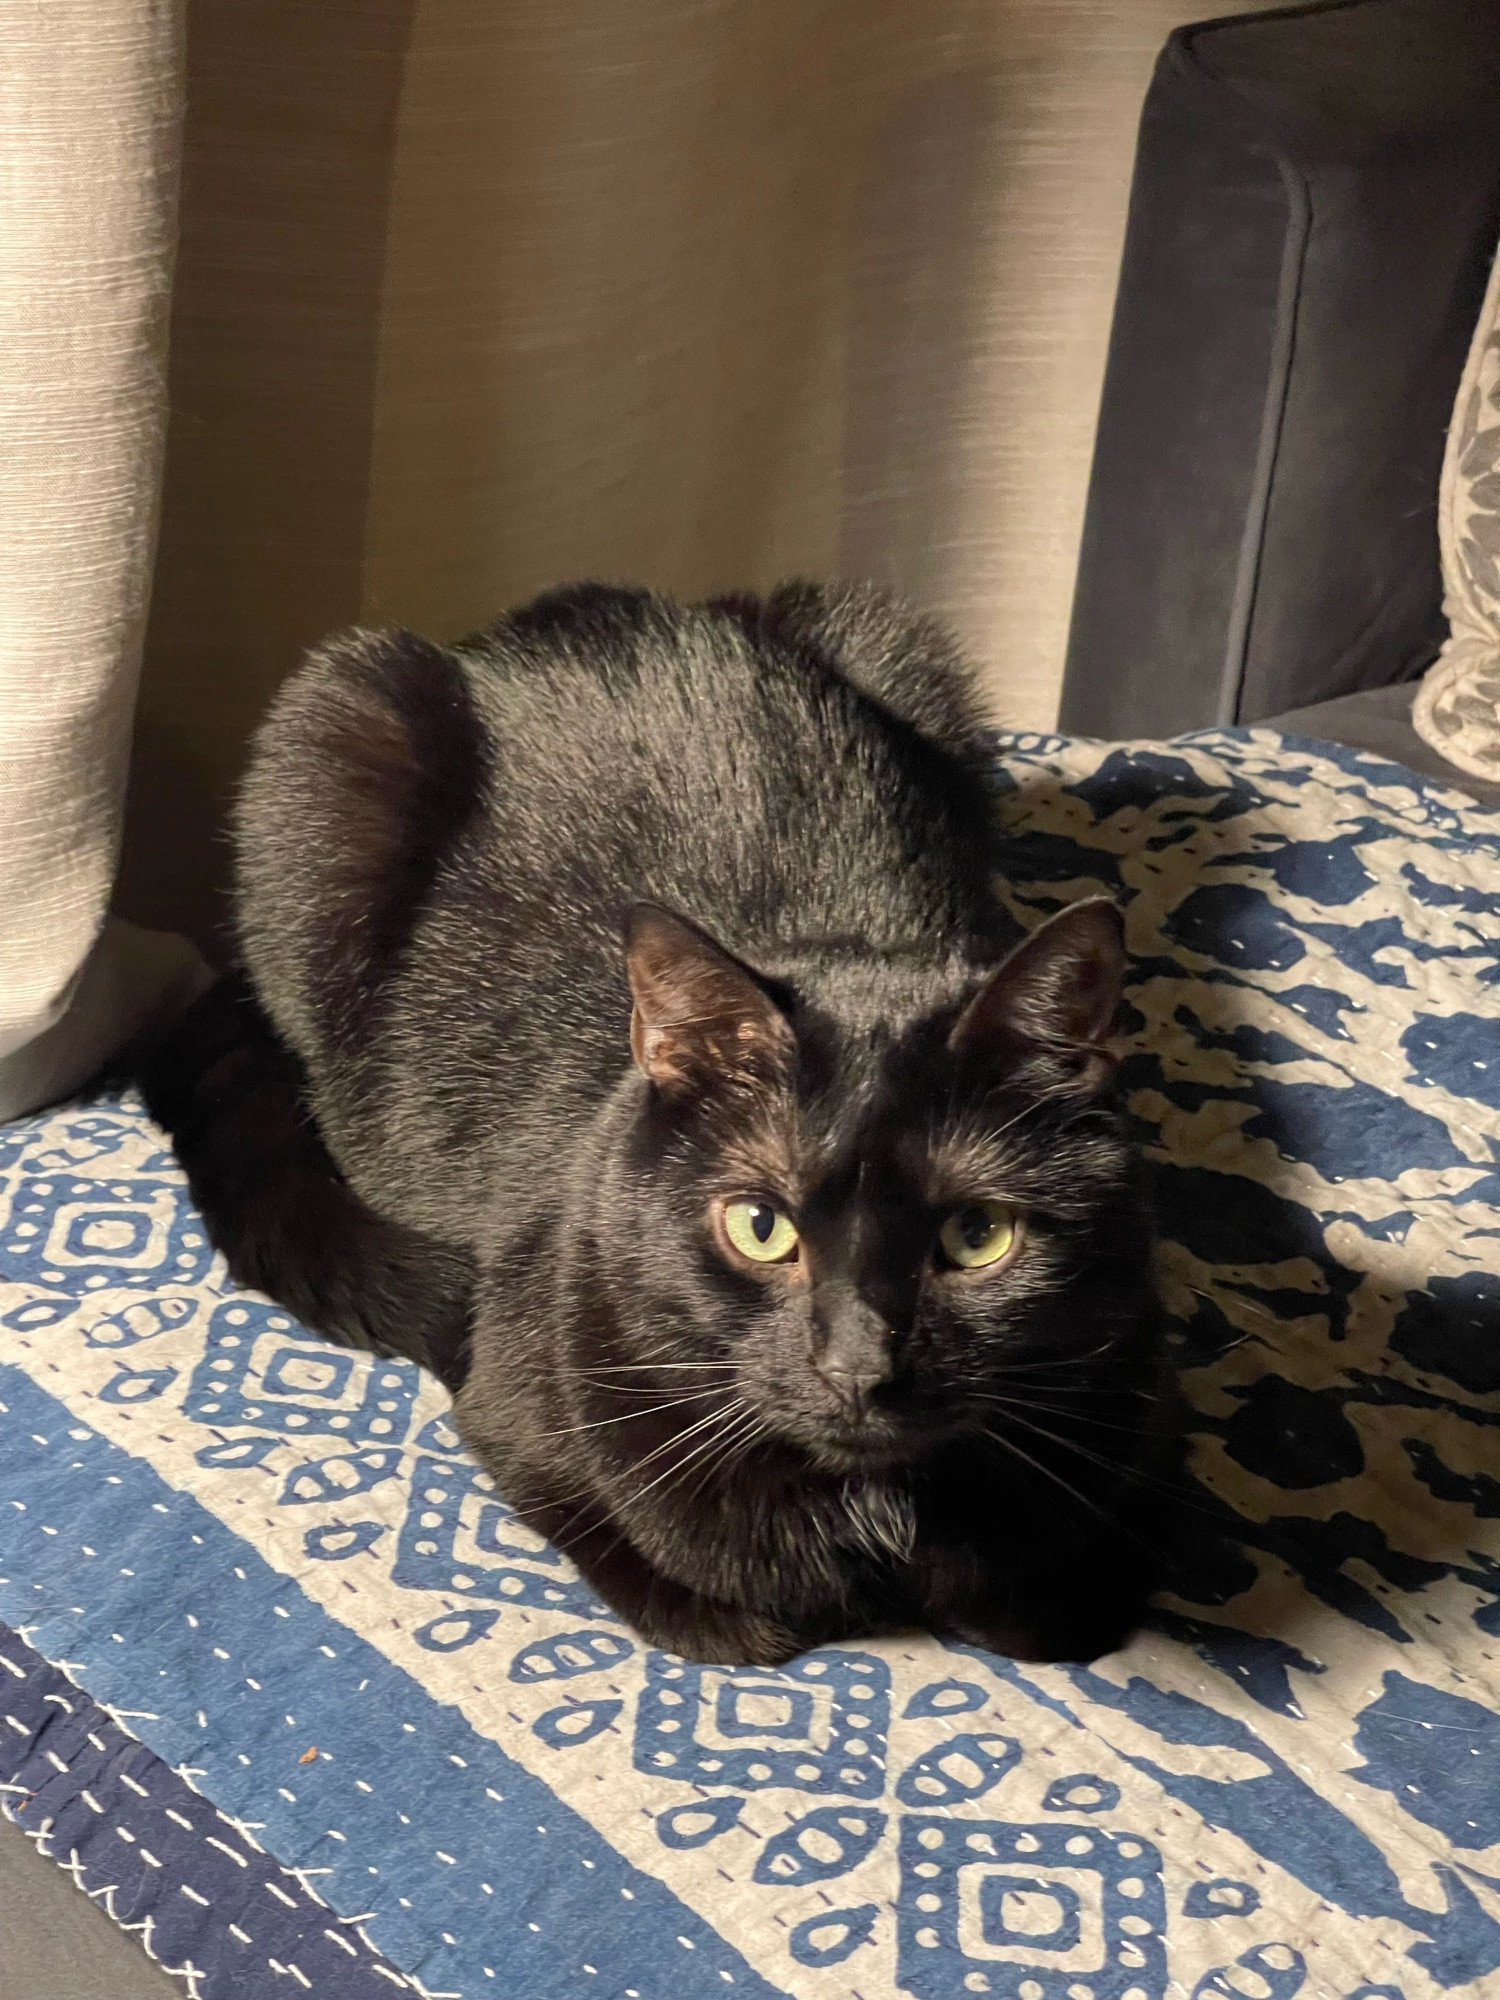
[[473, 299], [90, 109]]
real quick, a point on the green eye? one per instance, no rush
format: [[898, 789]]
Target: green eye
[[978, 1234], [760, 1232]]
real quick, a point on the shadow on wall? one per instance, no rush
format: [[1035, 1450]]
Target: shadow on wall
[[916, 314], [287, 158]]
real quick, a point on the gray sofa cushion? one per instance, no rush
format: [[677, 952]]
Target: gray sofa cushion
[[1380, 720], [1315, 205]]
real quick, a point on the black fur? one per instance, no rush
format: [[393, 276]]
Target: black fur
[[234, 1099], [575, 932]]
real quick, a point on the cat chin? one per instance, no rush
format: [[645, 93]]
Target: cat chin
[[873, 1457], [887, 1441]]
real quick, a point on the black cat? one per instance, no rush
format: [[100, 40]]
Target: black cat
[[633, 1036]]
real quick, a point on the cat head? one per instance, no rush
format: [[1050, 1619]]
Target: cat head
[[882, 1196]]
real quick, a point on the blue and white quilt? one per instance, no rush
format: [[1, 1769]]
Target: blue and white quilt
[[292, 1692]]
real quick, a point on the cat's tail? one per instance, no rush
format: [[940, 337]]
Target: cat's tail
[[233, 1098]]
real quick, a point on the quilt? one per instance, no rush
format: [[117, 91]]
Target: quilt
[[287, 1687]]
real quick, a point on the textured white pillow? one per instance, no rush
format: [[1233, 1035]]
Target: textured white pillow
[[1457, 708], [90, 110]]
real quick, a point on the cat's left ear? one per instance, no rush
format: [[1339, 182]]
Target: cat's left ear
[[1057, 994], [700, 1017]]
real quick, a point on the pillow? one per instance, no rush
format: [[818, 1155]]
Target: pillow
[[1312, 221], [1457, 708]]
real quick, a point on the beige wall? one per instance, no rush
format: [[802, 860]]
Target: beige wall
[[697, 292]]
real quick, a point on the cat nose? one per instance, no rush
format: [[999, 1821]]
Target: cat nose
[[853, 1355], [855, 1387]]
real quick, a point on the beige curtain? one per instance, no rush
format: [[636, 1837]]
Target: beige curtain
[[90, 114], [474, 298]]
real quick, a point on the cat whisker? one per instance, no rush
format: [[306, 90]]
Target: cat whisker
[[1127, 1472], [1078, 1390], [575, 1534], [1068, 1416], [589, 1491], [1047, 1364], [1024, 1413], [702, 1423], [563, 1543], [1116, 1525], [1105, 1463], [630, 1416], [736, 1446], [668, 1392], [1047, 1471], [651, 1367], [704, 1445], [1001, 1383], [746, 1424]]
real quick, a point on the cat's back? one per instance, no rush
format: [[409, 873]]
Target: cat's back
[[780, 770]]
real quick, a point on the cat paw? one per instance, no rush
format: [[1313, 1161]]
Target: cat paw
[[723, 1637], [1071, 1638]]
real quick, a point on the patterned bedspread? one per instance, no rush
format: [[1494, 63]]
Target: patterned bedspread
[[294, 1695]]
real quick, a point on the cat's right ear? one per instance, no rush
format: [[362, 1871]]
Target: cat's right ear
[[700, 1017], [1057, 994]]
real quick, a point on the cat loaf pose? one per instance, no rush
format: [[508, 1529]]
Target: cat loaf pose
[[630, 1032]]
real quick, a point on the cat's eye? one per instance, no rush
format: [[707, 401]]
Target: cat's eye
[[978, 1235], [760, 1232]]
